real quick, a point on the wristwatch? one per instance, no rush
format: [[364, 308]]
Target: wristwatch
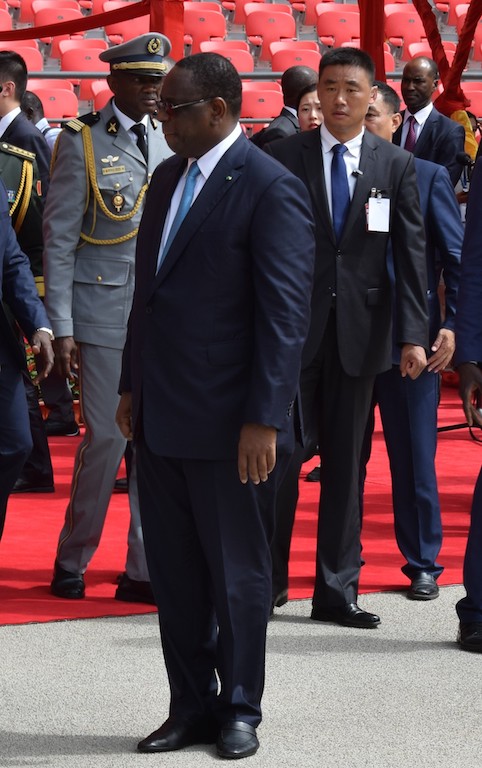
[[46, 330]]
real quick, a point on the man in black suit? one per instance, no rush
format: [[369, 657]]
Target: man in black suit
[[18, 291], [293, 81], [425, 131], [223, 280], [374, 198], [468, 358]]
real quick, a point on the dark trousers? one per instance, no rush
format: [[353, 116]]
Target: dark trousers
[[469, 609], [408, 410], [207, 545], [38, 467], [15, 438]]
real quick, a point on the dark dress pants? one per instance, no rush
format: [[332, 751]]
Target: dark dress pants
[[38, 467], [207, 544], [343, 408], [15, 438], [469, 609]]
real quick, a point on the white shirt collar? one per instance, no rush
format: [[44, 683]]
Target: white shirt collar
[[210, 159], [419, 116], [328, 141], [128, 122], [7, 119]]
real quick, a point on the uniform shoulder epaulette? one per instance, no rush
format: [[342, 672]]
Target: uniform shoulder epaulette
[[78, 123], [17, 151]]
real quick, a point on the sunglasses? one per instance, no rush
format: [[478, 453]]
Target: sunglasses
[[169, 108]]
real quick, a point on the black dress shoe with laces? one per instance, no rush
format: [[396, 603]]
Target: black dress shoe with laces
[[470, 636], [24, 485], [349, 615], [236, 740], [130, 591], [423, 587], [68, 585], [176, 734]]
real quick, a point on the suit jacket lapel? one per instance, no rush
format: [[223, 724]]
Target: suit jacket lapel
[[314, 173], [363, 184], [220, 182], [425, 137]]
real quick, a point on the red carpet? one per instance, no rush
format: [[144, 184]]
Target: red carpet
[[27, 550]]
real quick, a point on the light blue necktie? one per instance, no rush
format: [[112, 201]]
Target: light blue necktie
[[340, 192], [184, 206]]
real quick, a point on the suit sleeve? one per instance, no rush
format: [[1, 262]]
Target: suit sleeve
[[447, 233], [408, 245], [283, 262], [452, 145], [63, 217], [18, 285], [468, 323]]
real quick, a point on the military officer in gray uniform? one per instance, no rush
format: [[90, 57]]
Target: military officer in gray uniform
[[100, 173]]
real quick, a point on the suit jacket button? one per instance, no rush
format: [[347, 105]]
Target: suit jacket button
[[99, 278]]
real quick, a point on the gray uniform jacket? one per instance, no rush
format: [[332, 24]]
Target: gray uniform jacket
[[90, 224]]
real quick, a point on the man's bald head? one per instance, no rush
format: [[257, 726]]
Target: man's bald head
[[294, 80]]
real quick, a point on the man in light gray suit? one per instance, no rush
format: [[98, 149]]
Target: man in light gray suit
[[101, 170]]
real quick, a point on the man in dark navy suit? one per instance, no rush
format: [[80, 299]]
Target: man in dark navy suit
[[224, 266], [409, 408], [293, 81], [19, 293], [425, 131], [468, 358]]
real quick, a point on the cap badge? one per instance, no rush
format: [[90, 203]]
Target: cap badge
[[154, 45]]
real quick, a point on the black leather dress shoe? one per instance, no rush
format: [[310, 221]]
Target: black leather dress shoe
[[470, 636], [349, 615], [423, 587], [176, 734], [32, 486], [121, 485], [236, 740], [314, 476], [130, 591], [67, 585], [61, 428], [281, 598]]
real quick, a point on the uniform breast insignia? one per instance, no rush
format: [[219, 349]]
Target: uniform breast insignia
[[111, 168], [118, 201], [11, 195]]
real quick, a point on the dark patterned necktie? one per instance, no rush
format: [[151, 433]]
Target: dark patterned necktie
[[411, 139]]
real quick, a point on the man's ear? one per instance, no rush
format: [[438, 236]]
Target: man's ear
[[396, 121]]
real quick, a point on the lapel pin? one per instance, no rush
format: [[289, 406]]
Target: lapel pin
[[229, 178]]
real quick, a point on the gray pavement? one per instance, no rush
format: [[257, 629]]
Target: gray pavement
[[79, 694]]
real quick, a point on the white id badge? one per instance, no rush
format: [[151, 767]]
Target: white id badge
[[378, 214]]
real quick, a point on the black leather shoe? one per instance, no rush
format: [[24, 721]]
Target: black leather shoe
[[423, 587], [176, 734], [314, 476], [121, 485], [29, 486], [68, 585], [281, 598], [349, 615], [470, 636], [61, 428], [130, 591], [237, 740]]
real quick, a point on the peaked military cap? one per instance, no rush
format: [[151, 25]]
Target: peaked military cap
[[143, 55]]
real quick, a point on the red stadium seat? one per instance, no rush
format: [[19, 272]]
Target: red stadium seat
[[32, 57], [241, 60], [202, 25], [6, 21], [261, 85], [337, 27], [202, 5], [239, 6], [58, 103], [32, 43], [473, 91], [101, 93], [37, 5], [403, 26], [266, 25], [291, 57], [219, 46], [83, 60], [50, 83], [424, 49], [262, 104], [53, 16], [123, 31]]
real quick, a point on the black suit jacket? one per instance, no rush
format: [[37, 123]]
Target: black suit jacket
[[286, 124], [440, 141], [356, 268], [22, 133]]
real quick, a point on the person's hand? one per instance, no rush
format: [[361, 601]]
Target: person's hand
[[443, 349], [66, 361], [42, 345], [123, 417], [470, 382], [256, 453], [413, 360]]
